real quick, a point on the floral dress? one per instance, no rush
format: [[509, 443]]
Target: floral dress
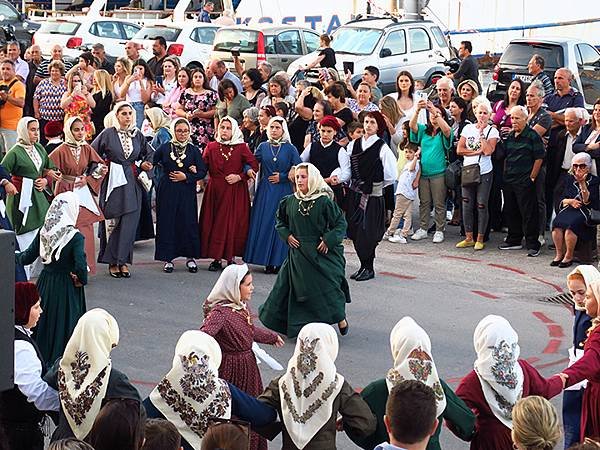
[[203, 130], [79, 107]]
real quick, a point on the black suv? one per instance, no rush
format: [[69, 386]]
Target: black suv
[[13, 22]]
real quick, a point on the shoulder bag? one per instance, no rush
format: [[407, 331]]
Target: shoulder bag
[[471, 174]]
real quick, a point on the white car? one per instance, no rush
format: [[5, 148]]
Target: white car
[[191, 41], [75, 32]]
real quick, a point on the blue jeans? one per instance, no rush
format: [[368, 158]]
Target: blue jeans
[[139, 113]]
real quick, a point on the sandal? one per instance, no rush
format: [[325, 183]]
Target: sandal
[[124, 271], [191, 266], [344, 330], [215, 266], [168, 267], [114, 271]]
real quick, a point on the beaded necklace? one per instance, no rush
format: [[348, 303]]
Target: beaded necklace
[[227, 155], [303, 209], [177, 155]]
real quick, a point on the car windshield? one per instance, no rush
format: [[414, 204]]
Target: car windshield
[[149, 33], [246, 40], [519, 54], [59, 27], [358, 41]]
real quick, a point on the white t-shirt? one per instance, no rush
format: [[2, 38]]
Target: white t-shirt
[[405, 181], [473, 143]]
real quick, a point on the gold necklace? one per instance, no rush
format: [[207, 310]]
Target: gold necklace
[[227, 155], [176, 156], [305, 210]]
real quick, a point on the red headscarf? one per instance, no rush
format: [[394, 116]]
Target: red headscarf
[[26, 295], [381, 125], [330, 121]]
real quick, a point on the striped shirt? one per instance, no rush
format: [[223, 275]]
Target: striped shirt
[[43, 72]]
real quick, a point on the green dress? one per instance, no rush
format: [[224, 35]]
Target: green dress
[[63, 303], [19, 164], [456, 412], [311, 286]]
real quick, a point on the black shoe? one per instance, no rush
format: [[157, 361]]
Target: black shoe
[[344, 330], [116, 274], [276, 269], [555, 263], [168, 267], [215, 266], [535, 252], [507, 246], [355, 274], [365, 275], [191, 265], [125, 273], [565, 264]]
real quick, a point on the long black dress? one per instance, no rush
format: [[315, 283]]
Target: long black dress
[[177, 232], [569, 218]]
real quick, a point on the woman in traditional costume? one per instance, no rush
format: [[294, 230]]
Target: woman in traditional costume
[[82, 171], [373, 167], [192, 390], [31, 171], [311, 285], [276, 157], [312, 394], [6, 189], [499, 379], [61, 284], [182, 166], [227, 318], [411, 352], [225, 212], [123, 145], [85, 378]]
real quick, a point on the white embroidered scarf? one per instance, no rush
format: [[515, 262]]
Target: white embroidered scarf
[[191, 392], [497, 366], [226, 291], [24, 141], [411, 350], [85, 368], [237, 137], [74, 144], [59, 226], [316, 184], [311, 379]]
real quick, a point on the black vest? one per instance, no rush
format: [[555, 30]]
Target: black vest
[[14, 407], [366, 166], [325, 159]]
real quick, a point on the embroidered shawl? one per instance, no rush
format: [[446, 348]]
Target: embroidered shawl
[[311, 383], [226, 291], [191, 392], [59, 226]]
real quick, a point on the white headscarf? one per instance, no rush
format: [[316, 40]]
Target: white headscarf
[[316, 184], [497, 366], [174, 140], [158, 118], [411, 350], [85, 368], [589, 274], [237, 137], [226, 291], [311, 383], [131, 130], [59, 226], [285, 137], [23, 132], [191, 391], [69, 138]]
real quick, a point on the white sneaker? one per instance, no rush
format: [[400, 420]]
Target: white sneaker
[[438, 237], [419, 234], [397, 239]]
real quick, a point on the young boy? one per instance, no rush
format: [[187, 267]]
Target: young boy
[[405, 194], [355, 130]]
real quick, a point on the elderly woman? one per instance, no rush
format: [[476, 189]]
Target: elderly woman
[[251, 128], [589, 138], [47, 96], [363, 100], [581, 194]]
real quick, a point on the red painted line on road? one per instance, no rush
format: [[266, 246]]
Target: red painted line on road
[[146, 263], [397, 275], [486, 294], [532, 360], [555, 331], [461, 258], [510, 269], [144, 383], [552, 346], [543, 317], [555, 286], [553, 363], [453, 380]]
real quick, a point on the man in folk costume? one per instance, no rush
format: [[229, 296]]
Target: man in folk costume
[[82, 171], [225, 212], [311, 394], [373, 167], [123, 146], [191, 392]]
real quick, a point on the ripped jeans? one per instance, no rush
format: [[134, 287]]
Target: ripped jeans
[[477, 197]]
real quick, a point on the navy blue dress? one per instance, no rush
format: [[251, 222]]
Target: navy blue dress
[[264, 247], [5, 224], [569, 218], [243, 407], [177, 232]]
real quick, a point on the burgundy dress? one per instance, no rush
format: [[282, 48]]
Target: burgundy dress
[[225, 213], [490, 433], [238, 366]]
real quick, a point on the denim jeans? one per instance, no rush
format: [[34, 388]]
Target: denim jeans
[[139, 113], [477, 197]]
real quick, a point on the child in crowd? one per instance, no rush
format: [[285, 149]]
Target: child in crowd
[[355, 130], [282, 109], [405, 194], [53, 132]]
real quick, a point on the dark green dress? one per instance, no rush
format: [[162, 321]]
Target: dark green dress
[[456, 412], [310, 286], [63, 303]]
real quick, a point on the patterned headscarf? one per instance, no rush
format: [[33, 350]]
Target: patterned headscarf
[[497, 366], [85, 368], [226, 291], [316, 184], [191, 392], [411, 350], [311, 383], [59, 226], [237, 137], [285, 137]]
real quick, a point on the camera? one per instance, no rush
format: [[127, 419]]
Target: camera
[[4, 88]]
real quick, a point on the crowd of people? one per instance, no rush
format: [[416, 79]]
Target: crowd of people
[[287, 172]]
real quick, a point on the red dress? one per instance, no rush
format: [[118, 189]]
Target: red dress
[[490, 433], [238, 366], [225, 212]]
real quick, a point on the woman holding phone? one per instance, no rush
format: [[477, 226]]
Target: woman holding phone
[[138, 89], [78, 102]]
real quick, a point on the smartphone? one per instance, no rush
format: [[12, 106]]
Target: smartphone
[[421, 95], [235, 51], [325, 74], [159, 80], [348, 66]]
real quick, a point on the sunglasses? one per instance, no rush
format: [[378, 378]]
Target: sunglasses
[[579, 166]]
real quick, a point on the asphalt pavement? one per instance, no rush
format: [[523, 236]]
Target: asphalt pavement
[[446, 290]]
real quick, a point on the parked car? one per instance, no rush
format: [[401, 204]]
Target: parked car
[[81, 31], [17, 24], [418, 46], [279, 45], [579, 56], [191, 41]]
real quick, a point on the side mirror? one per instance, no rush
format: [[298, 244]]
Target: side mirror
[[385, 52]]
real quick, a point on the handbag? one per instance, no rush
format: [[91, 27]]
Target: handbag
[[452, 174], [593, 219], [471, 175]]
